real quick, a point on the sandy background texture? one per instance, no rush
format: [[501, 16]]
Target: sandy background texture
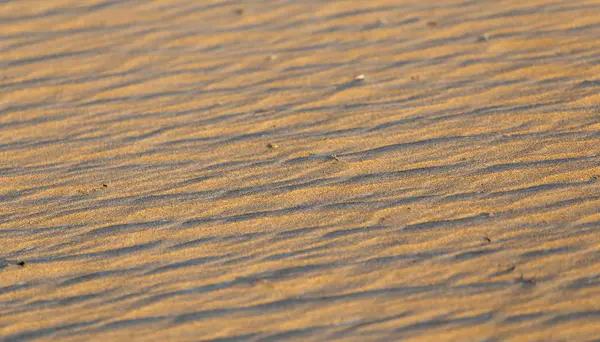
[[182, 170]]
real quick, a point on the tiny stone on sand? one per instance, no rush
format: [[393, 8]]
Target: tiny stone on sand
[[483, 38]]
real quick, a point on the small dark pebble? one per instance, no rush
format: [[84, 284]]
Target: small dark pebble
[[526, 281], [239, 11], [21, 263], [272, 145], [105, 185], [487, 239]]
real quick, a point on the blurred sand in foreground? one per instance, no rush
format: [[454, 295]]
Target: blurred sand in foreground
[[212, 170]]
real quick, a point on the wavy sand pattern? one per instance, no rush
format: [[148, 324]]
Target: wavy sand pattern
[[451, 195]]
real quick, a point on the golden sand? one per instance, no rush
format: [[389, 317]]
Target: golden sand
[[384, 170]]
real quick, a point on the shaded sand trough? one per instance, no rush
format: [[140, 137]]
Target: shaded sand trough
[[451, 195]]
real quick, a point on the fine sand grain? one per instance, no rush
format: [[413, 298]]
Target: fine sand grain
[[309, 170]]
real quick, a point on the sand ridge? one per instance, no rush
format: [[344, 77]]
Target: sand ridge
[[213, 170]]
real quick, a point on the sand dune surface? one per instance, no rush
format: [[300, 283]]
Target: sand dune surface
[[309, 170]]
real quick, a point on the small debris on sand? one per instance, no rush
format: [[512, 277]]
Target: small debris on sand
[[483, 38], [21, 263], [239, 11], [272, 145], [526, 281], [487, 239], [360, 77], [432, 23]]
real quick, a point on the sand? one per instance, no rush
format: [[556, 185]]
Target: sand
[[219, 170]]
